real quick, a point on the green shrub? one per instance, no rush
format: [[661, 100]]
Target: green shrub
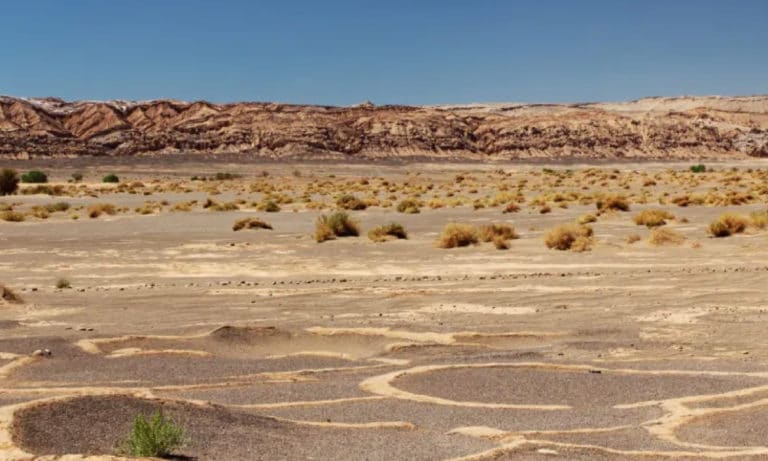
[[387, 232], [110, 178], [157, 437], [9, 181], [698, 168], [337, 224], [34, 176]]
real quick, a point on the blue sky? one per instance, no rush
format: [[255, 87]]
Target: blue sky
[[386, 51]]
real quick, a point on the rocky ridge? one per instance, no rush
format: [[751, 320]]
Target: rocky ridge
[[651, 128]]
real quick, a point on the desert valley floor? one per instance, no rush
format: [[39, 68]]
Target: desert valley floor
[[265, 344]]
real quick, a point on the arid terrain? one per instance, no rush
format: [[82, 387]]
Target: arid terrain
[[580, 312], [725, 128]]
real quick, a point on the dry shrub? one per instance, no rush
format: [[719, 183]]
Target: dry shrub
[[12, 216], [576, 237], [632, 238], [409, 205], [759, 219], [728, 224], [387, 232], [511, 207], [350, 202], [337, 224], [492, 232], [587, 218], [250, 223], [97, 209], [270, 206], [8, 295], [458, 235], [665, 236], [500, 243], [612, 202], [653, 218], [545, 209]]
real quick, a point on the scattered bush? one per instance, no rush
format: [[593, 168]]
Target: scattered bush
[[387, 232], [350, 202], [34, 176], [250, 223], [458, 235], [612, 202], [110, 178], [63, 284], [9, 181], [587, 218], [632, 238], [158, 437], [698, 168], [228, 176], [97, 209], [492, 232], [576, 237], [77, 177], [269, 206], [728, 224], [759, 219], [9, 295], [665, 236], [511, 207], [337, 224], [409, 206], [12, 216], [653, 218]]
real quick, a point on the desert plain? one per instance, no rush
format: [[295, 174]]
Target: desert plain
[[640, 342]]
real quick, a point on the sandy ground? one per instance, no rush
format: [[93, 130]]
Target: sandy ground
[[268, 345]]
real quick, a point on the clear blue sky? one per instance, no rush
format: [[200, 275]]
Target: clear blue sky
[[386, 51]]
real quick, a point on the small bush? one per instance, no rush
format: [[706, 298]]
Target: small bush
[[269, 206], [458, 235], [612, 202], [632, 238], [511, 207], [110, 178], [337, 224], [350, 202], [77, 177], [387, 232], [587, 218], [228, 176], [492, 232], [63, 283], [9, 181], [97, 209], [728, 224], [409, 206], [250, 223], [12, 216], [665, 236], [576, 237], [759, 219], [9, 295], [698, 168], [158, 437], [34, 177], [653, 218]]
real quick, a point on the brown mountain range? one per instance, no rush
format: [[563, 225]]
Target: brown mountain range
[[651, 128]]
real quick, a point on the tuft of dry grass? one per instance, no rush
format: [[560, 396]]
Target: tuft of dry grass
[[337, 224], [250, 223], [387, 232], [587, 218], [573, 236], [612, 202], [97, 209], [632, 238], [8, 295], [728, 224], [12, 216], [665, 236], [491, 232], [409, 205], [350, 202], [458, 235], [759, 219], [652, 218], [511, 207]]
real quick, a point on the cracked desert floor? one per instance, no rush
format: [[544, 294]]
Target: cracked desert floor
[[265, 344]]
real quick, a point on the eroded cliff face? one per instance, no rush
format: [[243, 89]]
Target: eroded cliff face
[[654, 128]]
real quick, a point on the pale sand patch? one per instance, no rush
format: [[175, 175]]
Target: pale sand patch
[[689, 315], [467, 308]]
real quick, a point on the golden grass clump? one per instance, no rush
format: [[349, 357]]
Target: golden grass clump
[[664, 236], [97, 209], [728, 224], [409, 206], [574, 236], [10, 296], [493, 232], [350, 202], [612, 202], [458, 235], [632, 238], [653, 217], [337, 224], [250, 223], [759, 219], [511, 207], [12, 216], [386, 232], [587, 218]]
